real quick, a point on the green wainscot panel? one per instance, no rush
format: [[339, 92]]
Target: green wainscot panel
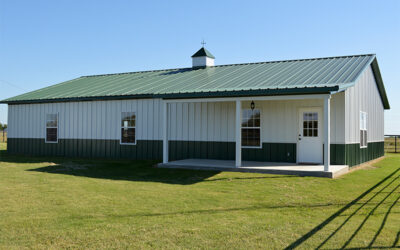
[[356, 155], [86, 148], [349, 154]]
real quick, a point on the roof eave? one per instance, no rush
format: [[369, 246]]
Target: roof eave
[[257, 92], [220, 94], [379, 82]]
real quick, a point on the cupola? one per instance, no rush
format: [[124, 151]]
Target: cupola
[[202, 58]]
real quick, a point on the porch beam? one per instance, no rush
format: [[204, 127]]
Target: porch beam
[[238, 132], [327, 132], [250, 98], [165, 132]]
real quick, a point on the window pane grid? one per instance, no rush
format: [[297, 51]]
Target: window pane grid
[[363, 129], [310, 124], [251, 131], [128, 128], [51, 127]]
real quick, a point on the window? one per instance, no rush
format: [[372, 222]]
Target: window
[[310, 124], [52, 128], [128, 128], [363, 129], [251, 127]]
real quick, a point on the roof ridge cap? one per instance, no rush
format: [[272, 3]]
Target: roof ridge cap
[[294, 60], [232, 64], [135, 72]]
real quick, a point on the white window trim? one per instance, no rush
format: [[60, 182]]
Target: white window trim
[[261, 123], [120, 127], [45, 128], [366, 129]]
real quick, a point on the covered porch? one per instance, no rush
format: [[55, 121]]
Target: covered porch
[[239, 162], [259, 167]]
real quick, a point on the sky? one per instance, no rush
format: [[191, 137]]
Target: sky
[[46, 42]]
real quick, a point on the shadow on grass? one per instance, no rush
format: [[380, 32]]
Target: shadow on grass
[[142, 171], [129, 170], [376, 190], [139, 171]]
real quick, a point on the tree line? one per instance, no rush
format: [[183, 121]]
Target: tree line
[[3, 126]]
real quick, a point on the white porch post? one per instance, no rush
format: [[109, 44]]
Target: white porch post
[[238, 161], [327, 132], [165, 132]]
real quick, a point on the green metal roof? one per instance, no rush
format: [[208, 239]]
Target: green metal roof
[[203, 52], [318, 75]]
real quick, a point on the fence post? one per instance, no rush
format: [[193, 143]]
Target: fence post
[[395, 144]]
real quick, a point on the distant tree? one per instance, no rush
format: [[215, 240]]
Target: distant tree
[[5, 126], [1, 126]]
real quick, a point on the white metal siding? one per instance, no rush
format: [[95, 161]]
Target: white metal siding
[[86, 120], [187, 121], [280, 118], [202, 121], [364, 96], [202, 61], [338, 118], [216, 121]]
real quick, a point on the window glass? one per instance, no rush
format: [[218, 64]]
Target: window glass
[[251, 128], [128, 127], [52, 128], [128, 135], [363, 129], [51, 134], [310, 124]]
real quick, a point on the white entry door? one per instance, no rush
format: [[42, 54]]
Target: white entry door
[[310, 136]]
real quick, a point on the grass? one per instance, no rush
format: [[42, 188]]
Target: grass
[[391, 143], [3, 137], [77, 203]]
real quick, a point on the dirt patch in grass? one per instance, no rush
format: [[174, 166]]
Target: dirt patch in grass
[[367, 165]]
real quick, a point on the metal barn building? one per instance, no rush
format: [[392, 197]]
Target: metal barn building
[[323, 111]]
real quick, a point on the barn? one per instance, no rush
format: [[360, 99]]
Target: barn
[[319, 112]]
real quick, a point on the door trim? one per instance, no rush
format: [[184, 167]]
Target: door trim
[[318, 108]]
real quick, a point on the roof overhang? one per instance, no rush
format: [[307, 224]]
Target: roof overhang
[[259, 92], [378, 79], [379, 83], [219, 94]]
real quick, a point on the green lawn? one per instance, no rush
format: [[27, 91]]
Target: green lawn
[[69, 203], [3, 137], [392, 144]]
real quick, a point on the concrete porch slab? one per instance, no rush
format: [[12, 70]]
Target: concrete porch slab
[[258, 167]]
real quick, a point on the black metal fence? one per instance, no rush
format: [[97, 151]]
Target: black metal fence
[[392, 143]]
